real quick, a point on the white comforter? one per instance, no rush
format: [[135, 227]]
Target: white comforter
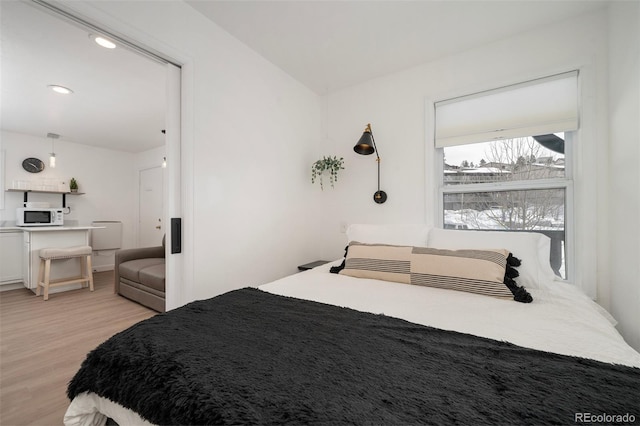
[[561, 319]]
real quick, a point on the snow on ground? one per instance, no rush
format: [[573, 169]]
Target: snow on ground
[[491, 219]]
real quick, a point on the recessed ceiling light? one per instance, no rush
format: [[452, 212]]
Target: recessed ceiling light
[[60, 89], [102, 41]]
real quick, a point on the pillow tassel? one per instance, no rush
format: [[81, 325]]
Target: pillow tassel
[[337, 269], [511, 272], [520, 294], [513, 261]]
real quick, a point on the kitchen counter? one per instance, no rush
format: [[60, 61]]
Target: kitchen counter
[[71, 225], [35, 238]]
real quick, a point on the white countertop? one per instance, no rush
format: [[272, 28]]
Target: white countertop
[[71, 225]]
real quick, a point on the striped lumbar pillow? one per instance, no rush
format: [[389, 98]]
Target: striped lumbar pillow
[[488, 272], [378, 261], [473, 271]]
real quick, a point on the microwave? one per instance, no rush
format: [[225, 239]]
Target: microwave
[[39, 217]]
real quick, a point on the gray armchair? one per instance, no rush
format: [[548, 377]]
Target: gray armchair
[[140, 276]]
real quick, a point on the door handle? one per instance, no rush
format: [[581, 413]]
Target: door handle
[[158, 227], [176, 235]]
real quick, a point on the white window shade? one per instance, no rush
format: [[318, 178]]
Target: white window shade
[[537, 107]]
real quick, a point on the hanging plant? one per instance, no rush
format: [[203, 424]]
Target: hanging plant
[[330, 164]]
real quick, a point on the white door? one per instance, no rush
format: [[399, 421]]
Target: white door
[[178, 266], [151, 227]]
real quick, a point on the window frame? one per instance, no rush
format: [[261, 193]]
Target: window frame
[[435, 190]]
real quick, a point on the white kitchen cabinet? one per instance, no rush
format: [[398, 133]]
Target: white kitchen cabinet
[[10, 257]]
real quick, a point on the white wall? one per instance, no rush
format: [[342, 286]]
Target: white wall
[[148, 159], [248, 140], [624, 157], [105, 176], [396, 107]]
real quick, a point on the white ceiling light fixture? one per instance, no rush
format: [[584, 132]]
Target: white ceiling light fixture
[[52, 154], [60, 89], [103, 41]]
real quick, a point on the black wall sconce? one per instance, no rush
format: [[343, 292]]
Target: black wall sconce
[[367, 146]]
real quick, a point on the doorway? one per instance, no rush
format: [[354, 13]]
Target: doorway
[[171, 195]]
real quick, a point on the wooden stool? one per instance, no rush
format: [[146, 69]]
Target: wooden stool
[[49, 254]]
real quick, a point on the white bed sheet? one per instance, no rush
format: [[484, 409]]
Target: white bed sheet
[[89, 409], [561, 319]]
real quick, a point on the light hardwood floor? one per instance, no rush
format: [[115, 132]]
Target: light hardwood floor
[[42, 345]]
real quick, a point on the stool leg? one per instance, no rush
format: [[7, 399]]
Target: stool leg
[[47, 277], [83, 272], [90, 272], [40, 276]]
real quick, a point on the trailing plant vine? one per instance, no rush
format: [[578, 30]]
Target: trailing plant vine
[[330, 164]]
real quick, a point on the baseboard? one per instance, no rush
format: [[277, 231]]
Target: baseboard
[[103, 268], [13, 286]]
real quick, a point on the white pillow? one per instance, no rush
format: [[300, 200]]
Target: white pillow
[[394, 234], [532, 248]]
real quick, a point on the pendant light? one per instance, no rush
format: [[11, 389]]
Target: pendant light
[[52, 154], [164, 159]]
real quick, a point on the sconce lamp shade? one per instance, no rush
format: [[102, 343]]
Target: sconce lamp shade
[[367, 146]]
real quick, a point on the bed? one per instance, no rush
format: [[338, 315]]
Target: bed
[[362, 346]]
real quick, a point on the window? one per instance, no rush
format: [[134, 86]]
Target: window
[[511, 170], [514, 184]]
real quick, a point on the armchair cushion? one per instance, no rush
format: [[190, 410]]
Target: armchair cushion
[[153, 276], [133, 269]]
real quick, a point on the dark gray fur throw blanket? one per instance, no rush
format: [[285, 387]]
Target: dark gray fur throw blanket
[[251, 357]]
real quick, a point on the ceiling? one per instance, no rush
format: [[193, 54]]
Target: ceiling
[[330, 45], [119, 96]]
